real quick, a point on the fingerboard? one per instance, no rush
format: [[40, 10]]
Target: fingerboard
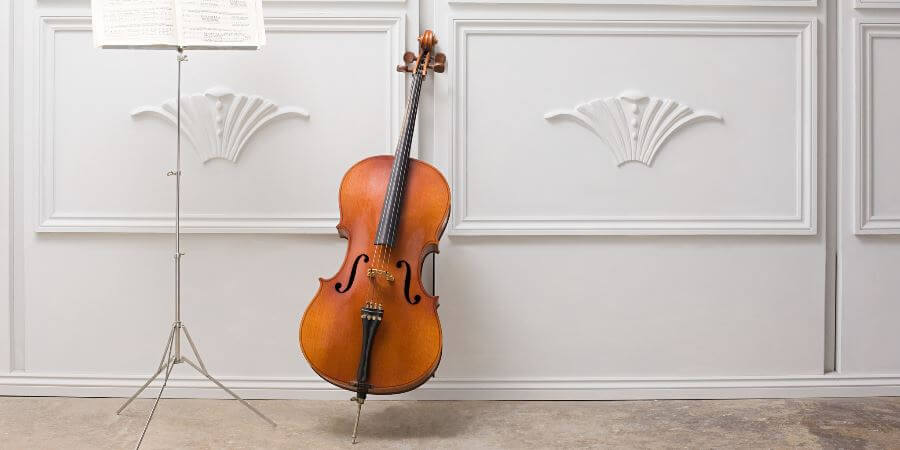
[[393, 197]]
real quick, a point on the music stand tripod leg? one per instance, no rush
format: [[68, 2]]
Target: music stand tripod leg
[[193, 347], [169, 367], [162, 365], [229, 391]]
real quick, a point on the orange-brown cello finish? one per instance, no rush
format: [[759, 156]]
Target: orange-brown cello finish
[[407, 348]]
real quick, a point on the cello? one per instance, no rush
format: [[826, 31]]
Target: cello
[[372, 328]]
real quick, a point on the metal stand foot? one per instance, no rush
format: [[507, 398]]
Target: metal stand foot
[[229, 391], [171, 357]]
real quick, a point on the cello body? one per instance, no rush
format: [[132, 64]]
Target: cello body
[[407, 349]]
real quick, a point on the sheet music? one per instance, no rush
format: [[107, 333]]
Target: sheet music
[[184, 23], [220, 22], [134, 22]]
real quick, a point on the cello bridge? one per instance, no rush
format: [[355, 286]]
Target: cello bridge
[[373, 273]]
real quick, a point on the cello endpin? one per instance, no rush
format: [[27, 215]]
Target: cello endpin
[[359, 403]]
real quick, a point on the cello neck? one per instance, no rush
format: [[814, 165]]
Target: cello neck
[[390, 210]]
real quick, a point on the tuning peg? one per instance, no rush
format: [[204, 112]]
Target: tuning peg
[[408, 58], [440, 63]]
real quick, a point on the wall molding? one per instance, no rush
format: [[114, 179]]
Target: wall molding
[[867, 222], [8, 245], [875, 4], [218, 122], [759, 3], [632, 124], [553, 388], [50, 220], [302, 2], [803, 222]]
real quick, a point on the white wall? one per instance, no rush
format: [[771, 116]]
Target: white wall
[[704, 273], [870, 191], [6, 121]]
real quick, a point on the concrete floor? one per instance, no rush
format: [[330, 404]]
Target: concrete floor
[[75, 423]]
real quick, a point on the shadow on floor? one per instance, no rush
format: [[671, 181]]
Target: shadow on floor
[[399, 420]]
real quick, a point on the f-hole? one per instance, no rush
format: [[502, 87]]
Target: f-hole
[[337, 287], [415, 299]]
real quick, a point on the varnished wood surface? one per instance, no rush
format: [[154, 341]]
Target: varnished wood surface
[[407, 347]]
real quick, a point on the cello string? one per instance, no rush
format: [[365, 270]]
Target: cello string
[[390, 193], [395, 201], [402, 161], [379, 250], [387, 210], [395, 206]]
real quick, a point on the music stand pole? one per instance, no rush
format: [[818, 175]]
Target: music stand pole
[[172, 352]]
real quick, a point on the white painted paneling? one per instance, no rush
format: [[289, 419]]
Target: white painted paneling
[[877, 106], [284, 179], [101, 301], [613, 303], [6, 126], [561, 179], [736, 309], [647, 306], [869, 248], [761, 3], [242, 300], [877, 4], [633, 306]]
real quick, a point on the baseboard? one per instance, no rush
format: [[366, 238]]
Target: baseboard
[[831, 385]]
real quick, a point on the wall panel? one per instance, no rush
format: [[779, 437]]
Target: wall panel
[[878, 192], [266, 195], [545, 204], [877, 4], [6, 140], [869, 248], [559, 181], [756, 3]]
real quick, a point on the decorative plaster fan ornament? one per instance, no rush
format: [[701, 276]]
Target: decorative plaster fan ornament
[[633, 125], [219, 122]]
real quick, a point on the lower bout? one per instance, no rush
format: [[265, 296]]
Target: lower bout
[[383, 379], [398, 362], [387, 390]]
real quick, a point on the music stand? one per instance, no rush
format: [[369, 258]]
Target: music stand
[[172, 354]]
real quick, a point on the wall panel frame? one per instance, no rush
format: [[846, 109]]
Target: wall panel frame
[[874, 4], [756, 3], [800, 223], [867, 221], [50, 220], [6, 146]]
